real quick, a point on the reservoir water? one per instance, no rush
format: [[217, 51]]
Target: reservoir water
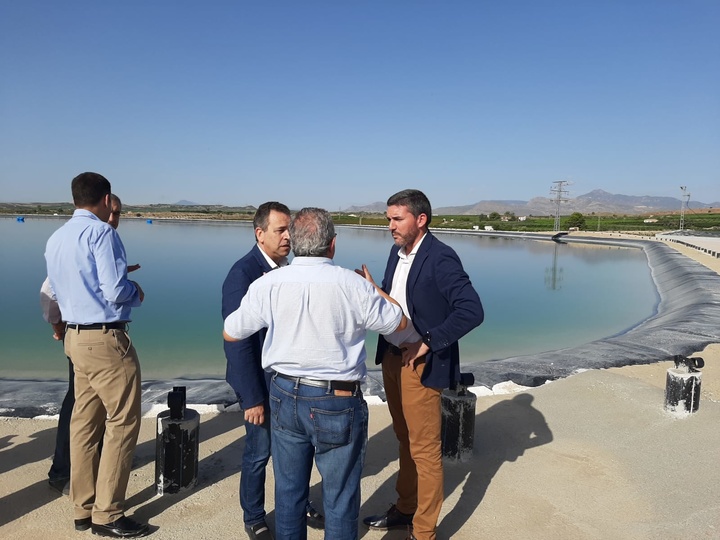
[[538, 296]]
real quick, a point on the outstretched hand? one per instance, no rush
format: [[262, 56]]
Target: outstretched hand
[[366, 274]]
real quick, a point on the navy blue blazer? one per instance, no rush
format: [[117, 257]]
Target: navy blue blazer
[[441, 300], [244, 358]]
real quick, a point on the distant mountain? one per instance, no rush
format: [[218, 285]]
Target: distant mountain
[[185, 203], [372, 208], [597, 201]]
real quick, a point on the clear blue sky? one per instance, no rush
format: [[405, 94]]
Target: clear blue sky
[[337, 103]]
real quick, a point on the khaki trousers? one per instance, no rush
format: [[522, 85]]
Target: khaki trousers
[[107, 393], [416, 417]]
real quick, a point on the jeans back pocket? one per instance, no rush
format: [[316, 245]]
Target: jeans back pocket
[[333, 428]]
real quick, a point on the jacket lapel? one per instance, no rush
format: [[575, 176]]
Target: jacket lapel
[[420, 258], [260, 259], [390, 269]]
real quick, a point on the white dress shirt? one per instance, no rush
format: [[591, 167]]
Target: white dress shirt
[[399, 293], [317, 315], [48, 302]]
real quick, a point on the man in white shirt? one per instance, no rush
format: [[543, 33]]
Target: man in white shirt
[[317, 316]]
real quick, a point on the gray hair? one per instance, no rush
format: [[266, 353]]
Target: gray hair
[[311, 232], [115, 199]]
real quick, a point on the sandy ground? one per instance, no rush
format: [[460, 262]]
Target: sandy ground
[[593, 456]]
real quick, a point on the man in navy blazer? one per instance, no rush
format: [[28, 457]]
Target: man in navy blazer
[[244, 368], [427, 278]]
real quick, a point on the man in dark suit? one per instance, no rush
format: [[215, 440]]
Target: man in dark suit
[[427, 278], [244, 369]]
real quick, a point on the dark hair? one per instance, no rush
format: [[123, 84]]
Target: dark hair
[[114, 199], [262, 215], [89, 188], [311, 232], [415, 201]]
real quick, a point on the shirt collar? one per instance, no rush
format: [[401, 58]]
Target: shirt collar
[[81, 212], [311, 261]]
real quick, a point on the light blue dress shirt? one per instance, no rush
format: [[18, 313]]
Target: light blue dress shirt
[[87, 268]]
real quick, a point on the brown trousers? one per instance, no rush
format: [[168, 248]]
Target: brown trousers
[[416, 417], [107, 393]]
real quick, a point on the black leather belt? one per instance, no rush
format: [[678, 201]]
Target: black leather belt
[[397, 351], [99, 326], [348, 386]]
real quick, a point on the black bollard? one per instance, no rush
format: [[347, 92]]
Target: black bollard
[[458, 420], [682, 387], [176, 402], [176, 445]]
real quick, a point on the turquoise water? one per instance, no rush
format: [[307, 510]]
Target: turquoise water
[[538, 296]]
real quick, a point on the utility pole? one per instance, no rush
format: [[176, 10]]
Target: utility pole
[[684, 202], [559, 190]]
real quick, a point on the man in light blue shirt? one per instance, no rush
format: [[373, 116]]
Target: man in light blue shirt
[[87, 269], [59, 474]]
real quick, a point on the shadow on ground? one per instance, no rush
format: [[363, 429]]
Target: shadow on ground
[[503, 433]]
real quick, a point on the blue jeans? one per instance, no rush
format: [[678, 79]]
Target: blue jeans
[[309, 422], [252, 477]]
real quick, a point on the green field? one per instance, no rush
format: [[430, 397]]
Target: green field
[[694, 220]]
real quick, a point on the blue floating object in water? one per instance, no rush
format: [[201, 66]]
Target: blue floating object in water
[[20, 219], [148, 221]]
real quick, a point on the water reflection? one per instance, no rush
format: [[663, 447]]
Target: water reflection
[[554, 275]]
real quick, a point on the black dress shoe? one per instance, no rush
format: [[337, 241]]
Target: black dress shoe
[[392, 519], [123, 527], [314, 518], [83, 524], [259, 531]]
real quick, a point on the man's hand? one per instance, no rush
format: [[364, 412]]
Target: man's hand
[[133, 267], [58, 331], [255, 415], [141, 294], [413, 351], [366, 274]]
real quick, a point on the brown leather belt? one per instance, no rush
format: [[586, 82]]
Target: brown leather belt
[[347, 386]]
